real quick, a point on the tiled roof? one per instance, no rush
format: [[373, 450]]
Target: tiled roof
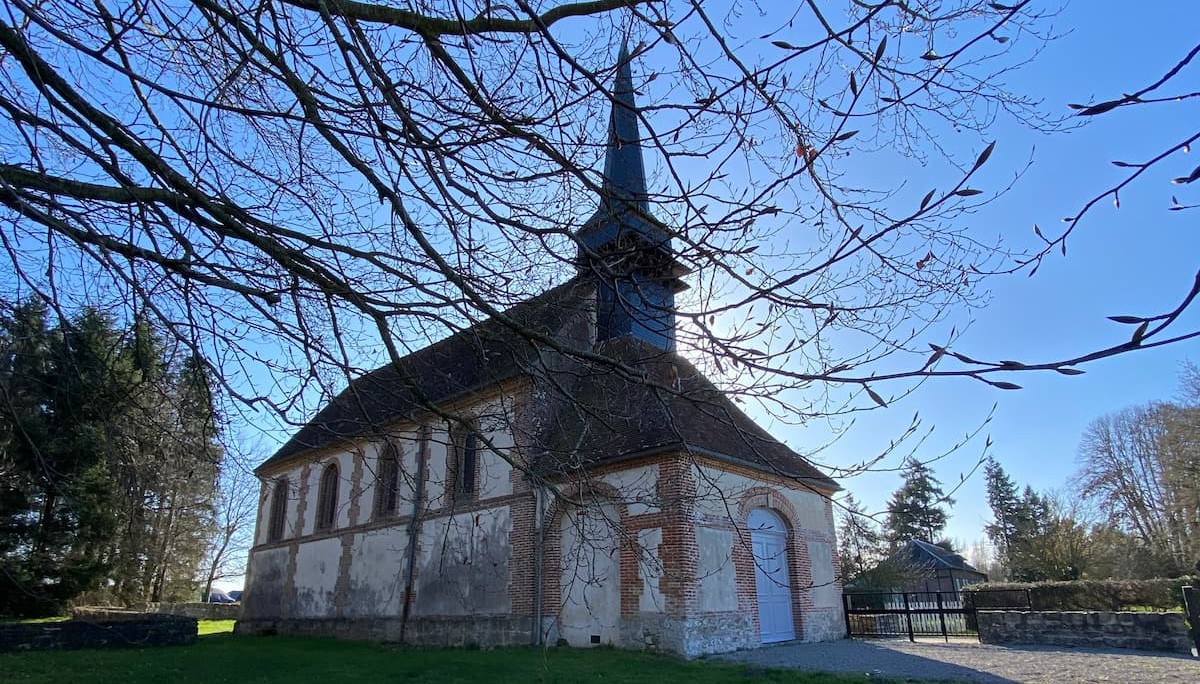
[[479, 356], [590, 412], [612, 418]]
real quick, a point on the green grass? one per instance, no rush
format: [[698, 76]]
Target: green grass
[[36, 621], [209, 627], [226, 658]]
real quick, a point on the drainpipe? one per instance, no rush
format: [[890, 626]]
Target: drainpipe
[[539, 537], [414, 527]]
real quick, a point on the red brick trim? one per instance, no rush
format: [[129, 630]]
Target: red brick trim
[[799, 563]]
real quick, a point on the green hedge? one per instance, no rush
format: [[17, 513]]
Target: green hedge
[[1157, 594]]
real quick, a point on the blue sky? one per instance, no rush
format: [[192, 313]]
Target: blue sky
[[1136, 260], [1139, 259]]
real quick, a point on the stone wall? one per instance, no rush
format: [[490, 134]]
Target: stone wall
[[1142, 631], [199, 611], [486, 631], [139, 632]]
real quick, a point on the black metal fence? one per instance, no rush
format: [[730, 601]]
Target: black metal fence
[[923, 613]]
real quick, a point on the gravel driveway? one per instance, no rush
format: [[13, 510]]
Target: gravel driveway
[[973, 662]]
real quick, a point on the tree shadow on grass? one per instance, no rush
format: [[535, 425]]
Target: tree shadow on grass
[[870, 658]]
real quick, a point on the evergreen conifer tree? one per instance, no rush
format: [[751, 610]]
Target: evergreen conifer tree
[[915, 511]]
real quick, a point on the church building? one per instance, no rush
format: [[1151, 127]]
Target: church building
[[557, 475]]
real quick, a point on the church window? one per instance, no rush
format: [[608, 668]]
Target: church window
[[466, 467], [279, 502], [327, 496], [387, 488]]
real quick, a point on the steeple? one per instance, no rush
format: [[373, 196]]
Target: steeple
[[624, 171], [622, 246], [624, 199]]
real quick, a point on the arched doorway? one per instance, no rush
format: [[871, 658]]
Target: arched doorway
[[591, 576], [768, 539]]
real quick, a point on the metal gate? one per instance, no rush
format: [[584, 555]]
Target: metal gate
[[923, 613]]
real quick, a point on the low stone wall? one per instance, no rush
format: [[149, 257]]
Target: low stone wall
[[200, 611], [1142, 631], [137, 632]]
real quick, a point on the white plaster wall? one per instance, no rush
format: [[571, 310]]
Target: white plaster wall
[[591, 576], [408, 443], [638, 488], [650, 569], [370, 471], [463, 564], [377, 572], [290, 527], [293, 525], [264, 510], [824, 592], [493, 468], [274, 558], [717, 575], [719, 492], [436, 486], [316, 577]]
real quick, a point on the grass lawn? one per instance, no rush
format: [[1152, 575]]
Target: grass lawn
[[209, 627], [222, 657]]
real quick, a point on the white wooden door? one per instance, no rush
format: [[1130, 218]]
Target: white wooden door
[[768, 538]]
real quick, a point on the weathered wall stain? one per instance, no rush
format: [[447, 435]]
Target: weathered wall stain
[[463, 567]]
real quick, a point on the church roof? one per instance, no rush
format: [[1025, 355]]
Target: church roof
[[600, 416], [611, 419], [587, 412], [482, 355]]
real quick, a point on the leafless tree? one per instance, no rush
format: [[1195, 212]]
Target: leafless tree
[[1171, 90], [341, 178], [302, 190], [1142, 466], [233, 529]]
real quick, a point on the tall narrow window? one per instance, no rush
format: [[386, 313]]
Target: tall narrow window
[[279, 502], [467, 466], [327, 498], [387, 486]]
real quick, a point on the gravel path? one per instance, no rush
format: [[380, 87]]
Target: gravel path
[[973, 662]]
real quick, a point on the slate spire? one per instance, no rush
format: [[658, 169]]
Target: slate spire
[[624, 209], [622, 246], [624, 170]]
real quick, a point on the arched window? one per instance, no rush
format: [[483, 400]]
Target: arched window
[[466, 466], [327, 497], [387, 486], [279, 502]]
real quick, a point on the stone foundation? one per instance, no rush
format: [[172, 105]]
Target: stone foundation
[[689, 637], [421, 631], [200, 611], [653, 632], [1141, 631]]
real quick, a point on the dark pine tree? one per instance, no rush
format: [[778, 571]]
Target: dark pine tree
[[915, 511]]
